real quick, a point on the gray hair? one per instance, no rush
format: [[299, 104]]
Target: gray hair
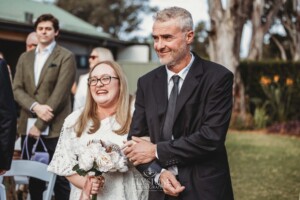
[[184, 17]]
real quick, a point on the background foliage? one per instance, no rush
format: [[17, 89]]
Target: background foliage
[[116, 17], [275, 83]]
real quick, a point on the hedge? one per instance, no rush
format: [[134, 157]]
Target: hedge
[[271, 82]]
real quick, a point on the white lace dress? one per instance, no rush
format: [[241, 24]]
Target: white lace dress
[[118, 186]]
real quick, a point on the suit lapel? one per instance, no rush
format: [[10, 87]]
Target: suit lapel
[[190, 83], [51, 57], [160, 90], [30, 61]]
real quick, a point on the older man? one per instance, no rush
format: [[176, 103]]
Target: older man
[[185, 107], [31, 41]]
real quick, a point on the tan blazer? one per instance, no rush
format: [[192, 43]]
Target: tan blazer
[[53, 89]]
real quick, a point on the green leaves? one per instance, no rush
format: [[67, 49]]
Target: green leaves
[[117, 17], [82, 172]]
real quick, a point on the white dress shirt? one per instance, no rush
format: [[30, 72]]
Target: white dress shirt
[[40, 59], [39, 62]]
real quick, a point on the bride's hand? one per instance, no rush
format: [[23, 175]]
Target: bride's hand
[[92, 186]]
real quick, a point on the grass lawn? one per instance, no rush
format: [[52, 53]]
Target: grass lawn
[[264, 166]]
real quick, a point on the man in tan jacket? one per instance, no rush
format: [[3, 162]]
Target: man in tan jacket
[[42, 85]]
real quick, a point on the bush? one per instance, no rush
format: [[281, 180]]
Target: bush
[[260, 117], [289, 128], [277, 83]]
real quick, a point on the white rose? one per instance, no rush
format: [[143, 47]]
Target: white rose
[[86, 160], [104, 162]]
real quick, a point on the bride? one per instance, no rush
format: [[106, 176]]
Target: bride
[[106, 116]]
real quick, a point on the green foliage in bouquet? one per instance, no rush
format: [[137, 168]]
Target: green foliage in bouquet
[[82, 172]]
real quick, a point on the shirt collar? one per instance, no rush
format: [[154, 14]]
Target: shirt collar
[[182, 74], [49, 48]]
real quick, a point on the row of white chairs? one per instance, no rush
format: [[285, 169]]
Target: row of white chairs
[[28, 168]]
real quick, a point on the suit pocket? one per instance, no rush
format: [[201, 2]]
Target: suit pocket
[[53, 71], [53, 65], [51, 76]]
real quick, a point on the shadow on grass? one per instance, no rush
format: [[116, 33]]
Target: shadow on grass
[[264, 166]]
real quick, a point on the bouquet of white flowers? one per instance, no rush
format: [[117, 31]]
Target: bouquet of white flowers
[[99, 157]]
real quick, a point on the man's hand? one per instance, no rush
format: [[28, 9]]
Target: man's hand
[[44, 112], [139, 151], [34, 132], [2, 171], [170, 184]]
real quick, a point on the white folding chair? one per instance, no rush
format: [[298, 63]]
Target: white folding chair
[[2, 190], [31, 169]]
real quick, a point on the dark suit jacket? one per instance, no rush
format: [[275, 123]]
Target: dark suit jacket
[[53, 89], [8, 118], [202, 118]]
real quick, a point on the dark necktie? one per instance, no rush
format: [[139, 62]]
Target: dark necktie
[[169, 119]]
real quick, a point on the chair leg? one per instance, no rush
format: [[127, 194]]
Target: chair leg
[[2, 192]]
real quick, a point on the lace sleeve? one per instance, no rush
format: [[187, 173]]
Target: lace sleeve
[[64, 157]]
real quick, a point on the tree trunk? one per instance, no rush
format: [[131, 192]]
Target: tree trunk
[[224, 42], [261, 23], [297, 5], [221, 46], [256, 44], [280, 47], [296, 56], [292, 28], [296, 31]]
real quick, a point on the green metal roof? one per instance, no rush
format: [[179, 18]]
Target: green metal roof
[[14, 11]]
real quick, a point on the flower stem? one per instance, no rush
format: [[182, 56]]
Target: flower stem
[[94, 197]]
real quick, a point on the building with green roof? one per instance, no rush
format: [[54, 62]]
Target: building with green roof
[[17, 18], [16, 22]]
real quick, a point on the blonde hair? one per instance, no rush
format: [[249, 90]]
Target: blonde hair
[[123, 112]]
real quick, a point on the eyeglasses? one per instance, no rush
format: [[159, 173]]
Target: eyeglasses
[[105, 80], [93, 57]]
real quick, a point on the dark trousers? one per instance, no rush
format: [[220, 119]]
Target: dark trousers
[[167, 197], [36, 186]]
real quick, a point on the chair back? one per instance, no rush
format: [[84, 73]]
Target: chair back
[[31, 169]]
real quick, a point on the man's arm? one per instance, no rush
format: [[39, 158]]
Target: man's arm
[[211, 135], [139, 128], [64, 82], [24, 99], [20, 94], [66, 78], [149, 167], [209, 138]]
